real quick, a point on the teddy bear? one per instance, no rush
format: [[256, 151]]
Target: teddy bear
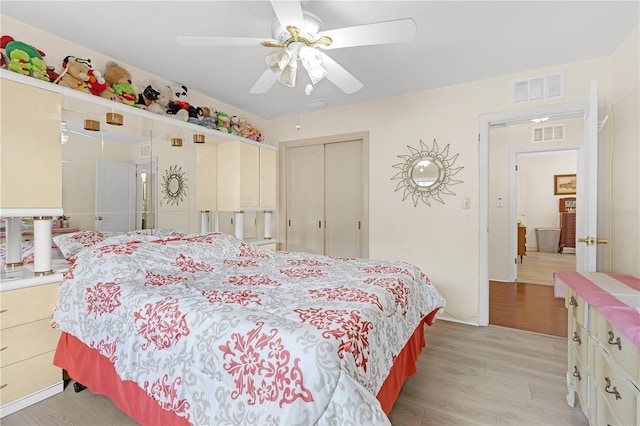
[[119, 80], [75, 74]]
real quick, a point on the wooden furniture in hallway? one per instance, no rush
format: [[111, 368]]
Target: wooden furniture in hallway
[[567, 210], [522, 241]]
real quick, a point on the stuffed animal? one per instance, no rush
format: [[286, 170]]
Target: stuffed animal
[[75, 74], [179, 104], [235, 125], [97, 83], [223, 122], [148, 96], [24, 59], [119, 80], [161, 104]]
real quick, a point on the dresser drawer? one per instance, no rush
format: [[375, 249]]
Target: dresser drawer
[[25, 377], [26, 341], [621, 349], [579, 340], [603, 412], [619, 393], [578, 308], [27, 304], [580, 380]]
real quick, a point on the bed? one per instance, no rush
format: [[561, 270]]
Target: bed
[[207, 329]]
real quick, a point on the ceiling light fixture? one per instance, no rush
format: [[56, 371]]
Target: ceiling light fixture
[[539, 120]]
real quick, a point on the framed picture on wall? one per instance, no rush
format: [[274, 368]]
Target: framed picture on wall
[[564, 184]]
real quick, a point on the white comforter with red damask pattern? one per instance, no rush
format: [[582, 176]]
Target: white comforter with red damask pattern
[[222, 332]]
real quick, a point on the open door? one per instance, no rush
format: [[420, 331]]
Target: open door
[[589, 194]]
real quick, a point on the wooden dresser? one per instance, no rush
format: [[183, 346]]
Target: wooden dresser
[[522, 241], [27, 340], [603, 367], [567, 210]]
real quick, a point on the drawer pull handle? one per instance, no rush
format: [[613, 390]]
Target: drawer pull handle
[[573, 302], [4, 385], [576, 373], [613, 340], [609, 389], [576, 338]]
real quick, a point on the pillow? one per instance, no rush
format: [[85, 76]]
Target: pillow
[[70, 244]]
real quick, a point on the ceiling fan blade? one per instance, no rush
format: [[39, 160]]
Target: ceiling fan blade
[[339, 76], [264, 83], [289, 13], [396, 31], [205, 41]]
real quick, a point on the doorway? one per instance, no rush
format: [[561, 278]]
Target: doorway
[[589, 195]]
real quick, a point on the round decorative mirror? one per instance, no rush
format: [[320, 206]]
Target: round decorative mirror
[[426, 173], [174, 185]]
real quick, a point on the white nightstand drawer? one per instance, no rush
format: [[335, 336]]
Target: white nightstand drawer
[[26, 341], [28, 376], [27, 304]]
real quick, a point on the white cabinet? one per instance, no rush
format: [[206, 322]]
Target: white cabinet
[[603, 365], [207, 174], [246, 176], [30, 151], [28, 343]]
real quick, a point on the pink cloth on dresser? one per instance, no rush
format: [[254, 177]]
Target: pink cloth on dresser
[[624, 316]]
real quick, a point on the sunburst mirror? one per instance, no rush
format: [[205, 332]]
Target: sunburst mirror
[[174, 185], [426, 173]]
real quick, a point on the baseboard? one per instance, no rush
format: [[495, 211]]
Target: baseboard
[[31, 399]]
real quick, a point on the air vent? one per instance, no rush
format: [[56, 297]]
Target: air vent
[[318, 103], [550, 86], [145, 151], [547, 133]]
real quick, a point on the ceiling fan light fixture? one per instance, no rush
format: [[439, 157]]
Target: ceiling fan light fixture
[[312, 62], [278, 61], [289, 75]]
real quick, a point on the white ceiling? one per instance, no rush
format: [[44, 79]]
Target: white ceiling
[[456, 42]]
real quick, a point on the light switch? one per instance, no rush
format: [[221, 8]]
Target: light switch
[[466, 203], [500, 203]]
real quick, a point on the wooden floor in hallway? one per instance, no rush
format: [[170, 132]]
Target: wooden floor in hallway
[[529, 303]]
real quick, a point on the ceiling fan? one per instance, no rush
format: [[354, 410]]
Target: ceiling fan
[[299, 38]]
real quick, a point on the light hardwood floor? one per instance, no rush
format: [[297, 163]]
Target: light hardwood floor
[[538, 267], [466, 375]]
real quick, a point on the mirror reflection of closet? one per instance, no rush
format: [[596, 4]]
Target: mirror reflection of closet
[[109, 177]]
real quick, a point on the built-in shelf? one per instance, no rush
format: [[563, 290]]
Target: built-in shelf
[[110, 106]]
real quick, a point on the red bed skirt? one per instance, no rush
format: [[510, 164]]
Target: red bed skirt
[[93, 370]]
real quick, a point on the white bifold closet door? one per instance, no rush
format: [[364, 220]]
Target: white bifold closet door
[[324, 199]]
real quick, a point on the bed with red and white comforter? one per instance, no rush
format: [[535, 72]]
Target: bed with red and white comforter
[[217, 331]]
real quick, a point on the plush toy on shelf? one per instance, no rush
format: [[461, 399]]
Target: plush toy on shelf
[[119, 81], [179, 104], [235, 125], [23, 59], [223, 122], [75, 74], [147, 97]]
